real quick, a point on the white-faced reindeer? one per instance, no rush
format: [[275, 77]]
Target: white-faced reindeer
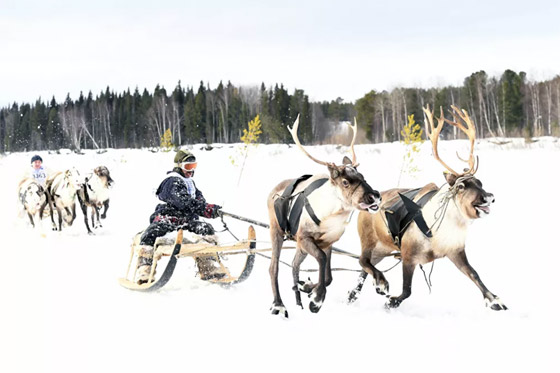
[[433, 227], [94, 193], [33, 199], [313, 211], [61, 194]]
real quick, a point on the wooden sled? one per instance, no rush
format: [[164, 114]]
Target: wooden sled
[[179, 249]]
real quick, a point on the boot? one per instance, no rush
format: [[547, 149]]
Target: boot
[[209, 268], [145, 260]]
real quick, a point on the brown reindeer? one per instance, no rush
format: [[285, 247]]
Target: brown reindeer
[[433, 227], [313, 211]]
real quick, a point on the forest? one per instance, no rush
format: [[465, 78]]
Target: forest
[[506, 106]]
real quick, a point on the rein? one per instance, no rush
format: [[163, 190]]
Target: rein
[[334, 249]]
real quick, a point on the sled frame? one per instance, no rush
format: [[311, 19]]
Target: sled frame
[[178, 249]]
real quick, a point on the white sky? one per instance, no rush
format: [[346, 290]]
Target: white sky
[[330, 49]]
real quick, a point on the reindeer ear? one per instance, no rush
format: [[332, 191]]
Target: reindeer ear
[[346, 161], [334, 171], [451, 179]]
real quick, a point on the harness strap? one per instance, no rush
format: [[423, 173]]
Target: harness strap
[[403, 212], [282, 203], [288, 217], [301, 201], [311, 212], [85, 189], [415, 212]]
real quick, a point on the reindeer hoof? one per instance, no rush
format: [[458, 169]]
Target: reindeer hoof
[[306, 287], [496, 304], [381, 287], [103, 216], [393, 302], [352, 296], [279, 310], [315, 306]]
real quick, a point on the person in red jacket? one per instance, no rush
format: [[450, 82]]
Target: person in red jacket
[[183, 204]]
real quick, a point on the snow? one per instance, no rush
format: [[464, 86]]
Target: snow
[[63, 310]]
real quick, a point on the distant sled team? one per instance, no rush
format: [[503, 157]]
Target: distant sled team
[[59, 191]]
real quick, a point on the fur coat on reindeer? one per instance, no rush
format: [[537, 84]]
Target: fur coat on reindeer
[[182, 206]]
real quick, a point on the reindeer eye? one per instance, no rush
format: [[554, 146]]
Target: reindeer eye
[[345, 183], [461, 186]]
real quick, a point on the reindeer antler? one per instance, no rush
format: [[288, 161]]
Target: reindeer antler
[[355, 130], [293, 131], [470, 131], [434, 134]]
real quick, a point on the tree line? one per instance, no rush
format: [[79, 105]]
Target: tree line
[[508, 106], [505, 106]]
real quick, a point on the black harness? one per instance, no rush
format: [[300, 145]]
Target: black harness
[[288, 218], [85, 188], [400, 214]]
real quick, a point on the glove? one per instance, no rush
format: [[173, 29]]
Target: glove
[[212, 211]]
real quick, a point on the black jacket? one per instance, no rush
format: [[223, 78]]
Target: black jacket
[[178, 201]]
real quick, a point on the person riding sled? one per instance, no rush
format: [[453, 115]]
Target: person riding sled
[[183, 204], [38, 172]]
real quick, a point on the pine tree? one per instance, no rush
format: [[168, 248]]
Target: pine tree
[[511, 100], [365, 113], [199, 124]]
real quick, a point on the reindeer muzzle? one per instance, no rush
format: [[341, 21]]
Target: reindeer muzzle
[[372, 201]]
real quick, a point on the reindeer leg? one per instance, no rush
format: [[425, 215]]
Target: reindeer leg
[[368, 260], [460, 260], [31, 219], [68, 217], [97, 220], [59, 211], [73, 213], [353, 294], [84, 211], [296, 263], [408, 271], [93, 217], [277, 241], [319, 290], [328, 271], [106, 206], [308, 286], [51, 207]]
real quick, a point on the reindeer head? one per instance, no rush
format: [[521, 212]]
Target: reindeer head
[[471, 199], [103, 173], [352, 189]]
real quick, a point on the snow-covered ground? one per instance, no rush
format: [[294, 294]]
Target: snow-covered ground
[[63, 310]]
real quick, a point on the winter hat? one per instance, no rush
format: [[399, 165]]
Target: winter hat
[[36, 158], [184, 156]]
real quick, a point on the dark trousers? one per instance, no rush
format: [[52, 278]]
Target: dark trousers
[[162, 227]]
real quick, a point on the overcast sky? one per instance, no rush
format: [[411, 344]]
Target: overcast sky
[[329, 49]]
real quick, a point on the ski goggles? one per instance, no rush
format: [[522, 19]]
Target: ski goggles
[[188, 166]]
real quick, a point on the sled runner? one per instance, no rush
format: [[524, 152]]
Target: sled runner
[[182, 247]]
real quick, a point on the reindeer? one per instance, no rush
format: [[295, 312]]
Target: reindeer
[[61, 194], [94, 193], [33, 198], [433, 227], [328, 201]]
